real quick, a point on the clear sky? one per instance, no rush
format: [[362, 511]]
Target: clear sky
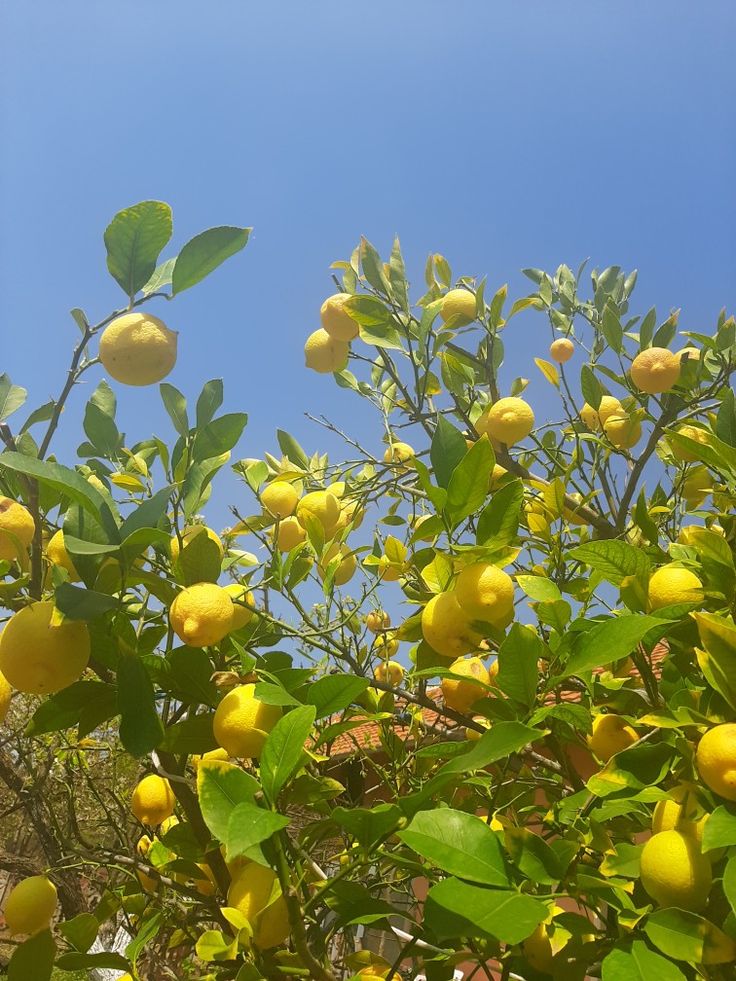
[[500, 134]]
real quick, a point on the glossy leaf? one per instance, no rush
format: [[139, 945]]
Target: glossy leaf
[[284, 748], [134, 239], [204, 253], [221, 787], [455, 908], [458, 843]]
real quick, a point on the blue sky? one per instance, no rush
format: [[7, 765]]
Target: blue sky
[[500, 134]]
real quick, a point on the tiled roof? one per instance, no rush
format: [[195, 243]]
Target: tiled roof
[[366, 737]]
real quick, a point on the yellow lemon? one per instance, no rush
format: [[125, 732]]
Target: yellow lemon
[[336, 320], [446, 627], [138, 349], [17, 528], [461, 694], [242, 722], [688, 353], [389, 672], [680, 812], [655, 370], [674, 872], [324, 353], [671, 584], [153, 800], [346, 568], [472, 734], [280, 498], [389, 571], [538, 950], [40, 658], [31, 905], [319, 506], [202, 614], [458, 306], [241, 614], [256, 893], [214, 754], [6, 694], [486, 593], [57, 553], [191, 532], [351, 513], [386, 645], [623, 431], [561, 350], [377, 620], [148, 883], [611, 734], [596, 419], [716, 760], [398, 453], [692, 432], [289, 534], [509, 420], [696, 487]]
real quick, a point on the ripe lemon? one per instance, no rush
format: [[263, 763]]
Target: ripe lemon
[[31, 905], [319, 506], [256, 893], [398, 453], [337, 321], [458, 306], [191, 532], [57, 553], [459, 694], [138, 349], [596, 419], [377, 620], [509, 420], [153, 800], [6, 694], [473, 734], [680, 812], [692, 432], [561, 350], [689, 354], [389, 672], [17, 528], [446, 627], [324, 353], [202, 614], [674, 872], [538, 950], [39, 658], [351, 513], [280, 498], [345, 570], [672, 584], [697, 487], [623, 431], [386, 645], [242, 722], [241, 615], [611, 734], [716, 760], [655, 370], [289, 534], [486, 593]]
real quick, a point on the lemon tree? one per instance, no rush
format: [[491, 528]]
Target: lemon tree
[[462, 699]]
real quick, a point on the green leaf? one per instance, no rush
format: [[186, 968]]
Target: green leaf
[[77, 603], [148, 513], [66, 482], [688, 937], [612, 640], [134, 239], [42, 414], [375, 321], [640, 766], [368, 825], [209, 401], [455, 908], [499, 520], [141, 729], [192, 735], [718, 660], [540, 588], [590, 387], [518, 660], [82, 700], [101, 431], [80, 931], [219, 436], [447, 450], [725, 427], [292, 450], [186, 673], [720, 828], [199, 560], [284, 748], [204, 253], [176, 406], [502, 740], [729, 881], [373, 270], [468, 486], [12, 397], [634, 961], [83, 962], [220, 788], [148, 930], [34, 958], [459, 843], [613, 559], [335, 692], [533, 856], [161, 277], [248, 826]]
